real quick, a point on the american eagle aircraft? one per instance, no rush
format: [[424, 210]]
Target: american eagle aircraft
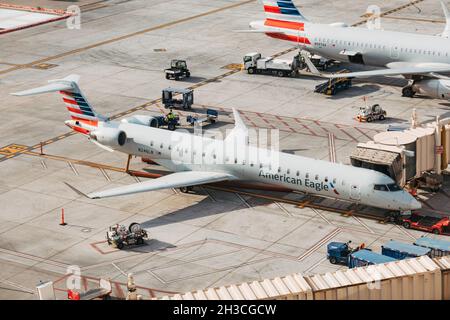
[[422, 59], [196, 159]]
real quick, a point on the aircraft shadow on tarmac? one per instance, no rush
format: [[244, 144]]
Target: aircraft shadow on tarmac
[[355, 91], [293, 151], [202, 209], [392, 120], [151, 245]]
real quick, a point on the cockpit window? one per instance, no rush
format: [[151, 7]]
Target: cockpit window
[[390, 187], [393, 187], [380, 187]]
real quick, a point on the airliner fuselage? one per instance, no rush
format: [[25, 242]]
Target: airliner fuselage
[[424, 59]]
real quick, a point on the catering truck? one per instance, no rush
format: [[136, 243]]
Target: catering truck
[[254, 63]]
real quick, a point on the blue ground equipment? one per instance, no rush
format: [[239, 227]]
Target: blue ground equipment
[[366, 257], [338, 252], [211, 117], [399, 250], [171, 125], [439, 248]]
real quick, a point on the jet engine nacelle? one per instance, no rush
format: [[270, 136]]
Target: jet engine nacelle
[[339, 25], [435, 88], [142, 120], [109, 136]]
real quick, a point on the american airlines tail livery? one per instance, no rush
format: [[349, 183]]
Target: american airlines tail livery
[[423, 59], [196, 159]]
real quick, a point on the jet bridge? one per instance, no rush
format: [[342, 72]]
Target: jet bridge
[[412, 156]]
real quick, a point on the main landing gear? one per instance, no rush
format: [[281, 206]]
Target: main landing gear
[[408, 91]]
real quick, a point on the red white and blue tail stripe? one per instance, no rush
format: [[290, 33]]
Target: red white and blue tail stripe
[[78, 107], [285, 20], [282, 10]]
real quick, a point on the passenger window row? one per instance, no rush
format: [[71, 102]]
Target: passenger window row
[[381, 47], [227, 159]]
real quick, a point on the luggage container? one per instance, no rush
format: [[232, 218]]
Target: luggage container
[[366, 257], [399, 250], [439, 248]]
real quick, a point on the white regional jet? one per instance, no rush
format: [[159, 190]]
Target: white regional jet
[[196, 159], [423, 59]]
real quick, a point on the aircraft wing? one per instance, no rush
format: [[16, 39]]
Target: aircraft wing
[[392, 69], [174, 180], [429, 70]]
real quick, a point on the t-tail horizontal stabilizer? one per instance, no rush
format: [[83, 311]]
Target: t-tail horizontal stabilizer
[[66, 84]]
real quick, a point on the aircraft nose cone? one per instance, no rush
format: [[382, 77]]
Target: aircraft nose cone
[[410, 202], [255, 25], [415, 205]]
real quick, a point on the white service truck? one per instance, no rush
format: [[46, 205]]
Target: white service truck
[[254, 63]]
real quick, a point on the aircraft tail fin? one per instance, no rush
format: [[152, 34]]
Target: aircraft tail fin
[[284, 10], [239, 134], [76, 103]]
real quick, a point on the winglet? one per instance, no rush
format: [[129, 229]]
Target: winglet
[[78, 191], [446, 32], [238, 122]]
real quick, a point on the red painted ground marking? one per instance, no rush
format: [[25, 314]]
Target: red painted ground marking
[[306, 127], [348, 134], [363, 133], [94, 245], [320, 126]]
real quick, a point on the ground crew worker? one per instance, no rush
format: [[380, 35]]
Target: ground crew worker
[[170, 116]]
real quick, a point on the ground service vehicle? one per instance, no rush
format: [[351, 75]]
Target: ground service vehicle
[[333, 86], [338, 252], [366, 257], [436, 225], [211, 117], [119, 235], [178, 70], [169, 99], [371, 113], [399, 250], [171, 125], [439, 248], [255, 63]]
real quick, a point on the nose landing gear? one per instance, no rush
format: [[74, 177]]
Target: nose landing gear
[[186, 189]]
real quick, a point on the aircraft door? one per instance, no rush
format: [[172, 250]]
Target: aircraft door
[[355, 192], [301, 38], [394, 51], [357, 58]]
